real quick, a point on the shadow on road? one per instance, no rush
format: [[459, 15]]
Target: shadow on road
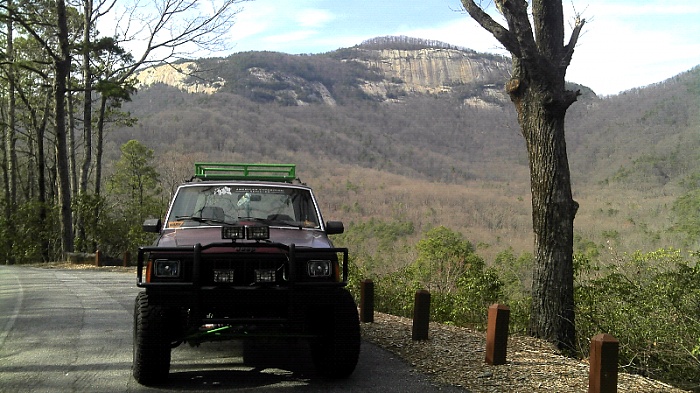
[[243, 365]]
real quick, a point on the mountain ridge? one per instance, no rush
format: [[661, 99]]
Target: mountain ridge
[[420, 82], [389, 73], [631, 155]]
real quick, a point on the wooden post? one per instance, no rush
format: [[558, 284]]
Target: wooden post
[[98, 255], [421, 315], [497, 334], [367, 301], [602, 375]]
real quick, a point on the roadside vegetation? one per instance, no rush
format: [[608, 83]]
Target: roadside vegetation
[[649, 301], [637, 278]]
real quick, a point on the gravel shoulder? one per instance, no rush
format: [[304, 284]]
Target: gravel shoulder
[[456, 356]]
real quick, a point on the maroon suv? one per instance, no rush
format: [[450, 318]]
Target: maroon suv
[[243, 253]]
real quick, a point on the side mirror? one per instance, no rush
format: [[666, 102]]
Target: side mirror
[[334, 227], [151, 225]]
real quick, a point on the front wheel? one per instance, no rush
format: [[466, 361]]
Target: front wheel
[[336, 349], [151, 363]]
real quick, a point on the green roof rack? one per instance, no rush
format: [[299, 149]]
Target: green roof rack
[[260, 172]]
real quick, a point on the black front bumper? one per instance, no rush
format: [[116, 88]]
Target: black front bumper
[[284, 307]]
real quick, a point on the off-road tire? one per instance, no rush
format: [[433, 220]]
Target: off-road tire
[[337, 348], [151, 363]]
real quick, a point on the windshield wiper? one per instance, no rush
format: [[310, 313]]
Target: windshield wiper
[[256, 219], [210, 221], [268, 221]]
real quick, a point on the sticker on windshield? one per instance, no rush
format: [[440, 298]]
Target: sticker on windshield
[[252, 190], [223, 191], [175, 224]]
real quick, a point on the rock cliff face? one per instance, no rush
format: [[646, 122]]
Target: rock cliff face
[[293, 82], [477, 79], [436, 70], [178, 75]]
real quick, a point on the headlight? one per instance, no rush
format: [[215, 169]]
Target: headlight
[[319, 268], [166, 268]]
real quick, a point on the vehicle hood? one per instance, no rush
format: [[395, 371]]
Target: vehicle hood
[[207, 235]]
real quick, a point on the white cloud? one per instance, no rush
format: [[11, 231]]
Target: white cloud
[[314, 17], [628, 45], [656, 8], [286, 38], [278, 26], [465, 33], [253, 20]]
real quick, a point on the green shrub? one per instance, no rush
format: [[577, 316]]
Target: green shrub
[[28, 238], [460, 285], [395, 293], [651, 303]]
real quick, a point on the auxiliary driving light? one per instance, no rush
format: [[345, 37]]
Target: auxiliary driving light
[[166, 268], [245, 232], [258, 232], [265, 275], [223, 275], [319, 268], [230, 232]]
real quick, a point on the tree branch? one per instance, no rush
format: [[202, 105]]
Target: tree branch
[[515, 12], [177, 23], [507, 38], [569, 48]]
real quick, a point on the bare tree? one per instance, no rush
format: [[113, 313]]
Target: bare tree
[[62, 61], [537, 89], [10, 137], [92, 11], [173, 29], [167, 29], [170, 30]]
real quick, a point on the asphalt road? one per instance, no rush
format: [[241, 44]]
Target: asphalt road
[[71, 331]]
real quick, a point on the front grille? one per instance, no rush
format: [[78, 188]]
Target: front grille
[[245, 270]]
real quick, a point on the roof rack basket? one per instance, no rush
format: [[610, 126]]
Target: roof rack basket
[[259, 172]]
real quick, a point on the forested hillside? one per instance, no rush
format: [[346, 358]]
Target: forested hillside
[[631, 155]]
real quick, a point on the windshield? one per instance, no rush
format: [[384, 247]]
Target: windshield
[[227, 204]]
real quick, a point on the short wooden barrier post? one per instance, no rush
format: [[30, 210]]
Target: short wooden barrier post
[[421, 315], [367, 301], [497, 334], [98, 263], [602, 375]]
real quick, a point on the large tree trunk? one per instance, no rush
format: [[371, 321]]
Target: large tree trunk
[[537, 88], [62, 64], [82, 187], [70, 134], [87, 100], [41, 181], [553, 211], [100, 145], [10, 156]]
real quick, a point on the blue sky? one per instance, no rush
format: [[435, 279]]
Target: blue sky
[[625, 43]]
